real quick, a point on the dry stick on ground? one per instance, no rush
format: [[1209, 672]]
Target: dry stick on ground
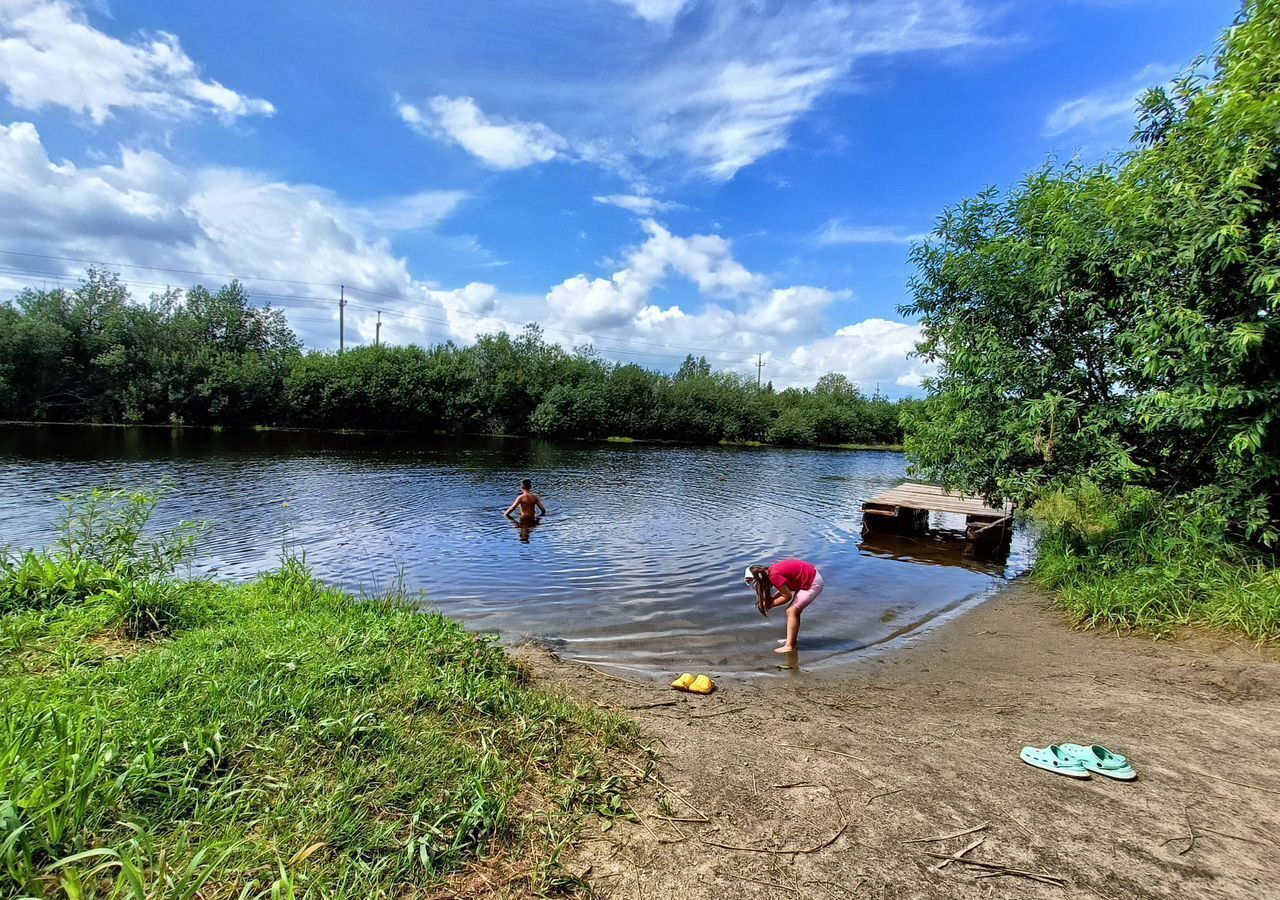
[[959, 853], [669, 790], [719, 712], [616, 677], [781, 852], [653, 705], [1190, 836], [1256, 787], [1001, 868], [794, 784], [678, 819], [785, 887], [885, 794], [947, 837], [822, 750]]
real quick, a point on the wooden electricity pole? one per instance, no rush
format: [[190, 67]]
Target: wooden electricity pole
[[342, 305]]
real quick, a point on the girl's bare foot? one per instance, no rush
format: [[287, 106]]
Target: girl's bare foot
[[785, 649]]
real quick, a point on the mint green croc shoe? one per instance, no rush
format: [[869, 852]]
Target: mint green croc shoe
[[1053, 759], [1097, 758]]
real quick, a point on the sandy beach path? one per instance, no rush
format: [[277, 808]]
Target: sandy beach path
[[829, 777]]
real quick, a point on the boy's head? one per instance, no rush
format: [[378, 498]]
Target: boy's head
[[526, 484]]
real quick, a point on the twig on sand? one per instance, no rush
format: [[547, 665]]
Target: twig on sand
[[849, 892], [1245, 784], [617, 677], [959, 853], [781, 852], [947, 837], [686, 820], [785, 887], [719, 712], [822, 750], [1025, 830], [794, 784], [1000, 869], [646, 827], [653, 705], [672, 791], [1189, 837], [884, 794]]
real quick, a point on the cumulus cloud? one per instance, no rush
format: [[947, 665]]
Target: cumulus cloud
[[836, 232], [1114, 105], [146, 210], [640, 205], [51, 56], [870, 352], [496, 143], [662, 12]]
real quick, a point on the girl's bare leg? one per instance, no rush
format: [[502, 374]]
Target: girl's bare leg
[[793, 631]]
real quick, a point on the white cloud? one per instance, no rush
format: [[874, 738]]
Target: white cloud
[[721, 88], [640, 205], [837, 232], [870, 352], [146, 210], [732, 95], [1114, 105], [498, 144], [51, 56], [414, 212], [662, 12]]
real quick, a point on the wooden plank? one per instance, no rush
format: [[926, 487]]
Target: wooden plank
[[914, 495]]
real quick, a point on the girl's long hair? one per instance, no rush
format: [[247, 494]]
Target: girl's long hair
[[763, 587]]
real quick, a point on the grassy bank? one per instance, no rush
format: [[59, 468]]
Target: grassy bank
[[1137, 561], [167, 738]]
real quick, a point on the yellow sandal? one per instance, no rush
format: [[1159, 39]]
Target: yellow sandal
[[702, 685], [682, 683]]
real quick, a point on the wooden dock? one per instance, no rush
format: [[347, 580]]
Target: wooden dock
[[905, 510]]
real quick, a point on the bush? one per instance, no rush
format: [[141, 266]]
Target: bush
[[1139, 561], [151, 607]]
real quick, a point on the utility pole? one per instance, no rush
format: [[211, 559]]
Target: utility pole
[[377, 333], [760, 364], [342, 305]]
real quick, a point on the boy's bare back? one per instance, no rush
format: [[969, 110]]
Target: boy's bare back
[[528, 503]]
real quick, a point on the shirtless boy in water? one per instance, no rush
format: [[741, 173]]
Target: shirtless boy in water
[[527, 502]]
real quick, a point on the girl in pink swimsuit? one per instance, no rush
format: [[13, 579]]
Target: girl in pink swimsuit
[[791, 581]]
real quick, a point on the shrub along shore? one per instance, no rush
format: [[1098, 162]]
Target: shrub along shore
[[177, 738]]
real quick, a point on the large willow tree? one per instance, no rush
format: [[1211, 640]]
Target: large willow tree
[[1119, 323]]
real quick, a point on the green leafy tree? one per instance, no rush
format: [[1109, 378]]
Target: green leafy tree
[[1118, 323]]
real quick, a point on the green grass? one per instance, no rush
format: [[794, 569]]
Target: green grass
[[276, 739], [614, 439], [1139, 562]]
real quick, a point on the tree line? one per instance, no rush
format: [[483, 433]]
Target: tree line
[[212, 358], [1119, 324]]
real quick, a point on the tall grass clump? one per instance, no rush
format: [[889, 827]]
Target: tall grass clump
[[1136, 560], [280, 738]]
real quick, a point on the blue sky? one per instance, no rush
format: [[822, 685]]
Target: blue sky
[[651, 176]]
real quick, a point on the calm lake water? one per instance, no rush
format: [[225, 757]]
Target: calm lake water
[[637, 567]]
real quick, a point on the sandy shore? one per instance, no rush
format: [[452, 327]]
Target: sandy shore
[[923, 742]]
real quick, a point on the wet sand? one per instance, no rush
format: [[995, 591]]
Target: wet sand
[[922, 742]]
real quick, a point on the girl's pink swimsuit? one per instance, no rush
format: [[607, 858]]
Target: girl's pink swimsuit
[[801, 578]]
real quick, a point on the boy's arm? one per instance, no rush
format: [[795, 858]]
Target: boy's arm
[[538, 500], [514, 504]]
